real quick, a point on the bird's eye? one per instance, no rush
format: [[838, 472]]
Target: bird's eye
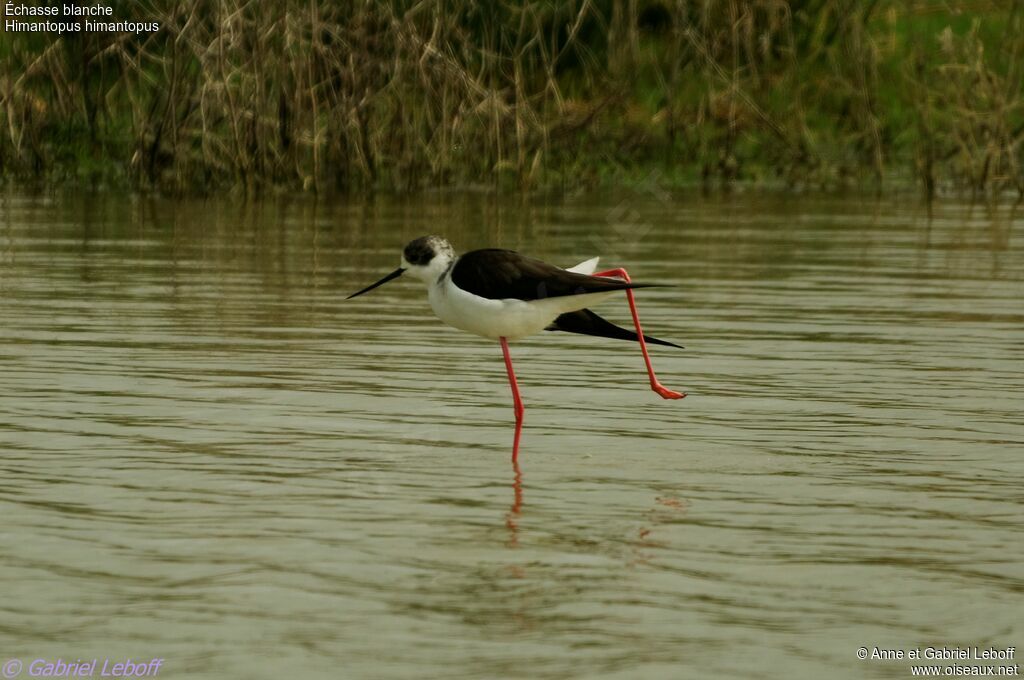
[[419, 256]]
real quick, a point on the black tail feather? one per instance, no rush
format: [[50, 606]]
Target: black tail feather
[[585, 322]]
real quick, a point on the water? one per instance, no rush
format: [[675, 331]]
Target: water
[[210, 457]]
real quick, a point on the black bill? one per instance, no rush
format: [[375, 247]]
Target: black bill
[[393, 275]]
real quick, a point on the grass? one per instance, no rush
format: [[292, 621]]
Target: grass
[[405, 96]]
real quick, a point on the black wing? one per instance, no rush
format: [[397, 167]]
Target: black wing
[[498, 274], [586, 322]]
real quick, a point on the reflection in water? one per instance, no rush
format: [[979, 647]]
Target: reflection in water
[[512, 518], [210, 457]]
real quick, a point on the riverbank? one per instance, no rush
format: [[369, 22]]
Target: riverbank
[[815, 95]]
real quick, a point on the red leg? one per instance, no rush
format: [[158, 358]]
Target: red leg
[[655, 385], [515, 398]]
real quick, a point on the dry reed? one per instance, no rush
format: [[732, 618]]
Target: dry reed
[[408, 95]]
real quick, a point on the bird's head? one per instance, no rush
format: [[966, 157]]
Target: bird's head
[[426, 258]]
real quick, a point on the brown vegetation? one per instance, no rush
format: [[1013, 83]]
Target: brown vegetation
[[407, 95]]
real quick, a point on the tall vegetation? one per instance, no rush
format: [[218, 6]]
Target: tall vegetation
[[407, 94]]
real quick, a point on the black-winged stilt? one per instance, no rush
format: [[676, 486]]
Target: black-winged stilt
[[502, 295]]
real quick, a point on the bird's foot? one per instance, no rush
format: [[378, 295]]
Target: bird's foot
[[666, 393]]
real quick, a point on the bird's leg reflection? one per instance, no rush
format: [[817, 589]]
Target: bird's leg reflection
[[671, 507], [663, 391], [512, 518]]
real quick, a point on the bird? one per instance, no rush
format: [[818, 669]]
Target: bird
[[505, 296]]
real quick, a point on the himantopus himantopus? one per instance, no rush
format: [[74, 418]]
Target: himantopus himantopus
[[502, 295]]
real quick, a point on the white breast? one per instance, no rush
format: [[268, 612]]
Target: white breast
[[509, 318]]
